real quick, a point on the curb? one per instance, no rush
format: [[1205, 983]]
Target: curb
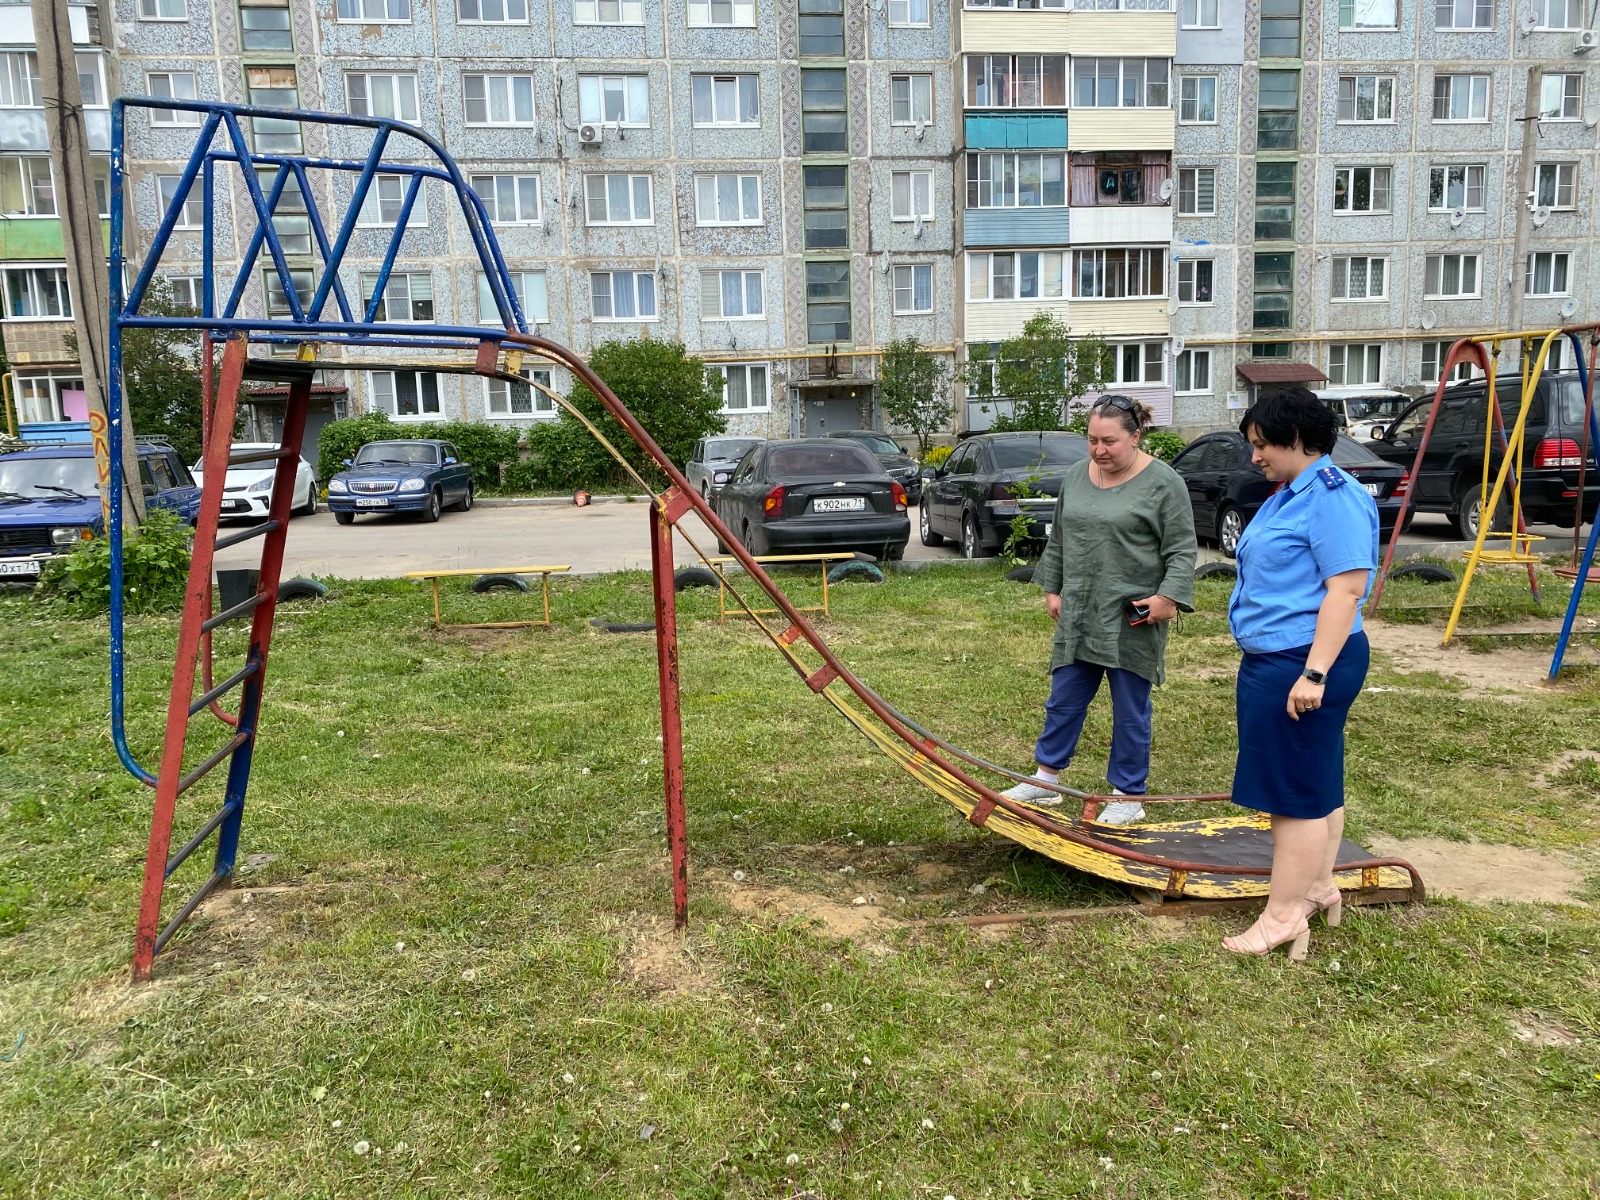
[[548, 501]]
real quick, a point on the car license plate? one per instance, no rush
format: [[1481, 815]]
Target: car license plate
[[29, 567], [380, 502], [1375, 489], [839, 504]]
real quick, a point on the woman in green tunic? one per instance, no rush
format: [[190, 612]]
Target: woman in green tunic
[[1122, 539]]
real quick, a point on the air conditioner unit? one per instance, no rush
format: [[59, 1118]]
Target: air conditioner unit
[[589, 134], [1588, 39]]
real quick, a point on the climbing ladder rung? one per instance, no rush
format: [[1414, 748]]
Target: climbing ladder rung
[[250, 456], [193, 843], [226, 686], [229, 614], [204, 769], [255, 531], [183, 913]]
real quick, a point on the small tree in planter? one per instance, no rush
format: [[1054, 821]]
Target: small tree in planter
[[1042, 371], [914, 391]]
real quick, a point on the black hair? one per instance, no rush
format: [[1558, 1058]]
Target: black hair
[[1293, 414]]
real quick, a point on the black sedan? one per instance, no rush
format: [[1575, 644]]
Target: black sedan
[[1227, 489], [811, 495], [990, 480], [896, 461]]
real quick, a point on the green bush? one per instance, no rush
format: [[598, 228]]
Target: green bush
[[565, 455], [488, 449], [155, 568], [936, 455], [1163, 443]]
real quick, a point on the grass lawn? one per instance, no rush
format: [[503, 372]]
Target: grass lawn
[[448, 971]]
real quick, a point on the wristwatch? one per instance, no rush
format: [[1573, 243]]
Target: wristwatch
[[1315, 676]]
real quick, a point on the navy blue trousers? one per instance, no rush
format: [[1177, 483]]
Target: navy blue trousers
[[1072, 687]]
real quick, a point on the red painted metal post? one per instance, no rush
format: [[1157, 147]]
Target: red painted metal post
[[671, 711]]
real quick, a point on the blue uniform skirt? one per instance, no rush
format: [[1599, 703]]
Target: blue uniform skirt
[[1294, 768]]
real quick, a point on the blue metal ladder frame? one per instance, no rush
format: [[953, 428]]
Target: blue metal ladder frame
[[1583, 567]]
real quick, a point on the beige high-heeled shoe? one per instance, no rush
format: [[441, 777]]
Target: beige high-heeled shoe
[[1256, 940], [1330, 906]]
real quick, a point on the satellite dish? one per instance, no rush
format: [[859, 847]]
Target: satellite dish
[[1457, 217], [1429, 320], [1540, 215], [1528, 22], [1569, 307], [1177, 345], [1166, 189]]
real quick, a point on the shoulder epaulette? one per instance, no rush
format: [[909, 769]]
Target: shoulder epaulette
[[1331, 478]]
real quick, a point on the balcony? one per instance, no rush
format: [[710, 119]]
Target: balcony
[[997, 320], [1006, 31], [1152, 33], [1118, 198], [1015, 226], [1016, 131], [1121, 129]]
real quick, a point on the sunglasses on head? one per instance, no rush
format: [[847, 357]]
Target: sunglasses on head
[[1124, 403]]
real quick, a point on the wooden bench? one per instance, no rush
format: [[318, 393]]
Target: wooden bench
[[724, 612], [543, 572]]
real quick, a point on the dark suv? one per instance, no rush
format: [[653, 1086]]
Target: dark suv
[[1451, 478]]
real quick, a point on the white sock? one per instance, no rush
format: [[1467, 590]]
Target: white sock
[[1047, 776]]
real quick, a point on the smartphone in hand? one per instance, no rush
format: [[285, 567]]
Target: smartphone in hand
[[1138, 614]]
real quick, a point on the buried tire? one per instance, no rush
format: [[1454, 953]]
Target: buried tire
[[499, 583], [692, 577]]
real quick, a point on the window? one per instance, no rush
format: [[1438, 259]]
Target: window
[[1560, 14], [1280, 28], [381, 95], [1360, 277], [37, 293], [1278, 111], [908, 13], [1116, 274], [1019, 5], [19, 80], [618, 200], [504, 399], [403, 394], [91, 81], [1015, 275], [1361, 189], [1197, 191], [608, 12], [824, 127], [172, 85], [725, 99], [1560, 97], [1273, 293], [530, 289], [911, 195], [274, 87], [1555, 184], [744, 387], [1460, 97], [1355, 364], [1198, 14], [913, 289], [1018, 80], [385, 199], [1463, 14], [727, 199], [291, 218], [1006, 180], [910, 99], [1197, 99], [827, 302], [1192, 373], [732, 295], [492, 12], [509, 199], [26, 187], [1120, 82], [704, 13], [374, 10], [614, 99], [1451, 276], [188, 291], [1135, 363], [623, 295], [264, 25], [1434, 355], [1456, 187], [1548, 273], [41, 397], [1195, 280], [498, 99], [1274, 201], [191, 213], [1366, 99], [822, 28], [826, 201], [305, 285], [163, 10], [406, 297], [1357, 15]]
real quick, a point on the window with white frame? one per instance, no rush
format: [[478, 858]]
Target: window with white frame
[[37, 294], [1451, 276], [1197, 99], [1007, 180], [1434, 356], [725, 100], [19, 80], [910, 99], [1016, 80], [372, 94], [1549, 273], [40, 395], [911, 195], [1196, 279], [163, 10], [1355, 364], [305, 286], [1361, 189], [623, 295], [375, 11], [100, 172], [1199, 14], [1120, 82], [1197, 191], [509, 199], [1360, 277], [733, 295], [608, 12], [492, 12], [1135, 273], [1561, 97], [532, 295], [1019, 5], [172, 85], [1138, 363], [913, 288], [1463, 14], [407, 297], [908, 13], [386, 197], [720, 13], [614, 99], [727, 199], [497, 99], [405, 395], [1460, 98], [1456, 186], [1015, 275], [1357, 15], [1559, 14], [191, 212], [617, 200], [505, 400], [744, 387], [188, 291], [1555, 185], [92, 80], [26, 186], [1366, 99], [1191, 373]]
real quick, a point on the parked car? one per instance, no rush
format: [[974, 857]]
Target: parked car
[[897, 462], [811, 495], [992, 478], [713, 462], [247, 491], [1227, 489], [50, 501], [402, 476], [1362, 417], [1451, 478]]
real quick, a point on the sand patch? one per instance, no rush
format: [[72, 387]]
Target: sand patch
[[843, 920], [664, 963], [1549, 775], [1505, 673], [933, 874], [1536, 1029], [1481, 872]]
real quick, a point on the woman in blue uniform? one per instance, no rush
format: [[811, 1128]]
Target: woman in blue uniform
[[1305, 563]]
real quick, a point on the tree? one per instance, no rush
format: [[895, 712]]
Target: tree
[[1042, 371], [914, 390]]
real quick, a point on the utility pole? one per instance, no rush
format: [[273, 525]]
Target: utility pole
[[1526, 170], [85, 245]]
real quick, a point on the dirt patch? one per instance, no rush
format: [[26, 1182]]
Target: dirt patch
[[1536, 1029], [1558, 766], [663, 963], [933, 874], [844, 920], [112, 1001], [1505, 673], [1482, 872]]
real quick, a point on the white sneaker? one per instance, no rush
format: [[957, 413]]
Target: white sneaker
[[1122, 812], [1032, 794]]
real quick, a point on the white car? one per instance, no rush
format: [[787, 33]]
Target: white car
[[248, 490]]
